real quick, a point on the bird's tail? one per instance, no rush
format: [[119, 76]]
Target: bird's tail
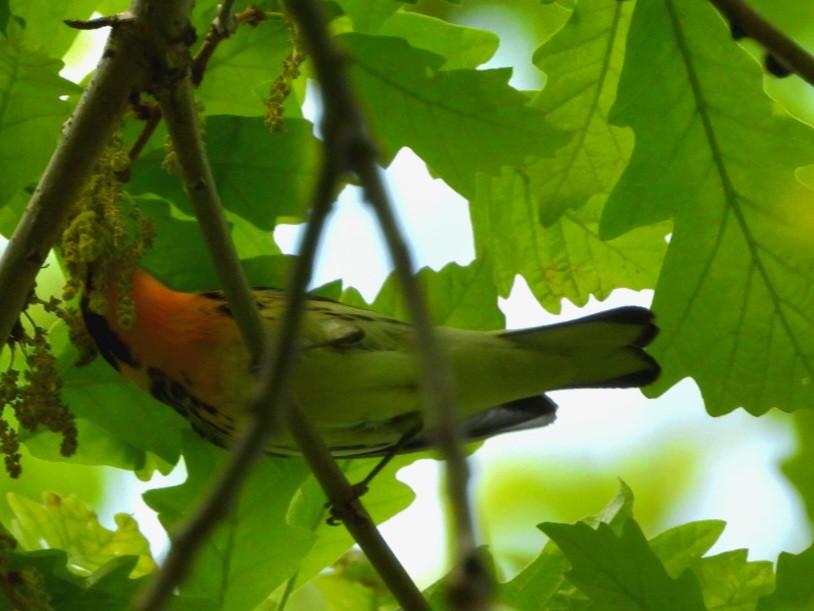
[[608, 347]]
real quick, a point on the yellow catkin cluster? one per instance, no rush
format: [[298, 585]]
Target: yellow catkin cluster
[[34, 395], [99, 238], [99, 235], [281, 88], [96, 227], [170, 163]]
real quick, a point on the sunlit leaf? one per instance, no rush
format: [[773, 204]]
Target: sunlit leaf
[[31, 113], [460, 122], [461, 47], [68, 524], [367, 16], [43, 21], [679, 547], [260, 176], [568, 260], [733, 300], [463, 297], [729, 581], [620, 571], [582, 63]]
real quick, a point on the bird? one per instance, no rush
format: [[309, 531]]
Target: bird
[[357, 375]]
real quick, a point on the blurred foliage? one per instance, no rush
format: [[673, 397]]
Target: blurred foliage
[[513, 494], [799, 468], [630, 145]]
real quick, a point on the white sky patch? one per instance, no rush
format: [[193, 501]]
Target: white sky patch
[[435, 218]]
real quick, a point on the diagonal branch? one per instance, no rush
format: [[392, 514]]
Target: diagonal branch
[[177, 104], [121, 71], [276, 360], [343, 121], [746, 21]]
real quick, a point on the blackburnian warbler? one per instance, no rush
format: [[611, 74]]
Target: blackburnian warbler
[[357, 376]]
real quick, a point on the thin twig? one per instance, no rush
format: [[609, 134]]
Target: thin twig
[[472, 582], [747, 21], [340, 493], [354, 516], [223, 26], [153, 119], [178, 107], [107, 21], [121, 71], [471, 585]]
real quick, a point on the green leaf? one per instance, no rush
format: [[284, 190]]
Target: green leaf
[[537, 585], [239, 74], [97, 446], [179, 257], [260, 176], [11, 211], [68, 524], [367, 16], [543, 582], [460, 122], [795, 588], [681, 546], [88, 483], [582, 63], [108, 589], [616, 513], [731, 583], [255, 549], [31, 113], [733, 299], [342, 594], [461, 47], [462, 297], [43, 21], [622, 572], [386, 497], [568, 260]]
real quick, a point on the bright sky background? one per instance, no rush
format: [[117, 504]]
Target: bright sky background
[[741, 483]]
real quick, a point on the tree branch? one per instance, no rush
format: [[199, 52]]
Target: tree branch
[[121, 71], [177, 104], [747, 21], [224, 25], [343, 121], [178, 107], [275, 369], [355, 517]]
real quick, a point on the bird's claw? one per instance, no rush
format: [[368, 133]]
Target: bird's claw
[[341, 511]]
